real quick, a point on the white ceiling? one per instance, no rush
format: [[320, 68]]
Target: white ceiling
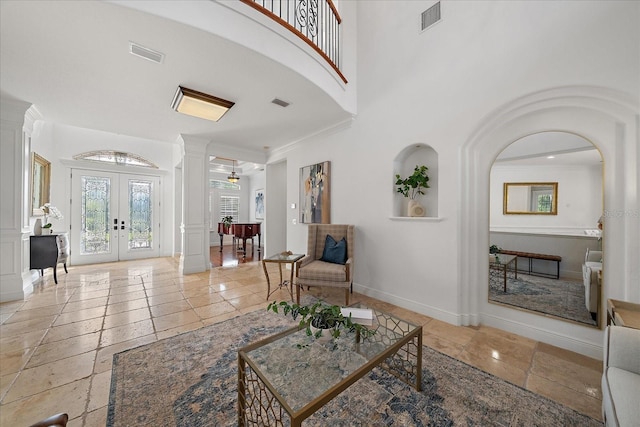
[[549, 149], [71, 60]]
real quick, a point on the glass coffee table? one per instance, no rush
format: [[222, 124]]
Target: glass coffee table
[[291, 375]]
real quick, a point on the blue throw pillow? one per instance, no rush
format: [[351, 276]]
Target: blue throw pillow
[[334, 252]]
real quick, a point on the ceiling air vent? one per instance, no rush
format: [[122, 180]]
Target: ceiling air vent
[[145, 52], [280, 102], [430, 16]]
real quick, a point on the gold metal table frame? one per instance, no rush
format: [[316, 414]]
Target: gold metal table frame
[[276, 379], [280, 259], [501, 266]]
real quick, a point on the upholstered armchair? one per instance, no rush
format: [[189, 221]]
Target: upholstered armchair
[[590, 269], [621, 376], [327, 262]]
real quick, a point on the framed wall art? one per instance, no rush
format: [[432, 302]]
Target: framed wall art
[[259, 204], [40, 183], [315, 194]]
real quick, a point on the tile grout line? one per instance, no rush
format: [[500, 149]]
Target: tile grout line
[[528, 371]]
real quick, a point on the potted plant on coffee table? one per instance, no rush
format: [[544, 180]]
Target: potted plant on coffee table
[[319, 316], [412, 187]]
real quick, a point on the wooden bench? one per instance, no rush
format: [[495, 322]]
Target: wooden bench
[[531, 256]]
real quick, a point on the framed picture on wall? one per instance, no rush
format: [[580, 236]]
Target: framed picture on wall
[[260, 204], [315, 194], [40, 183]]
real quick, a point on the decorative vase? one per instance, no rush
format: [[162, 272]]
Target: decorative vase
[[37, 228], [415, 209]]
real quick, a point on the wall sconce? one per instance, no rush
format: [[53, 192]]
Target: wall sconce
[[233, 177], [199, 104]]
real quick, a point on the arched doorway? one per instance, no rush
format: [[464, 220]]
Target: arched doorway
[[609, 121]]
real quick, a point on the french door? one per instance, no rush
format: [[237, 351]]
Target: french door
[[114, 216]]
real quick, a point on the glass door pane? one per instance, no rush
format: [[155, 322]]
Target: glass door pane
[[140, 214], [94, 206], [139, 225], [95, 236]]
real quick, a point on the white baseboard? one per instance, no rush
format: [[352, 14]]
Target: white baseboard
[[529, 330], [412, 305], [545, 335]]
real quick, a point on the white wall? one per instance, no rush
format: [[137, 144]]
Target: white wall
[[572, 249], [579, 197], [440, 88], [278, 212]]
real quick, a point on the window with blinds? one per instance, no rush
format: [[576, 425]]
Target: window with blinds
[[222, 204], [230, 206]]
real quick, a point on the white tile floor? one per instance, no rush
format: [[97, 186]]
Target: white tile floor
[[56, 347]]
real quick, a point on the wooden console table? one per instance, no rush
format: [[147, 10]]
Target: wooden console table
[[623, 313]]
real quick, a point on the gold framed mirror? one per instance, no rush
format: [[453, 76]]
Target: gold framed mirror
[[40, 183], [530, 198]]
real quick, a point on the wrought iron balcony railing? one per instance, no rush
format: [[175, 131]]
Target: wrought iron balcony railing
[[317, 22]]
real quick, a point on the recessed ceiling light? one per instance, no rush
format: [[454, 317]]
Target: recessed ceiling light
[[551, 157]]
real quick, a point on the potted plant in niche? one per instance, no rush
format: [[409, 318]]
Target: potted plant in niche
[[316, 317], [412, 187]]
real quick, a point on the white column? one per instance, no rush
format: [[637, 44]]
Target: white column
[[15, 148], [194, 226]]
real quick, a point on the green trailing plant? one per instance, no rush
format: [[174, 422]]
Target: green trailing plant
[[415, 184], [322, 317], [227, 220]]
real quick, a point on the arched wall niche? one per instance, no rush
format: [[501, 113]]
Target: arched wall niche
[[608, 119], [404, 163]]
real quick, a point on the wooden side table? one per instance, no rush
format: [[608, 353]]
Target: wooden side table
[[623, 313], [280, 259]]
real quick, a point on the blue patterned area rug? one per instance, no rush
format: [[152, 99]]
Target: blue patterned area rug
[[191, 380], [561, 298]]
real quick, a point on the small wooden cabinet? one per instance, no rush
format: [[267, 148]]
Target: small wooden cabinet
[[623, 313], [49, 250]]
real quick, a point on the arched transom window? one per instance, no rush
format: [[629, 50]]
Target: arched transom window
[[115, 157]]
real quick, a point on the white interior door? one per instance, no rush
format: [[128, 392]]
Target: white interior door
[[114, 216]]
